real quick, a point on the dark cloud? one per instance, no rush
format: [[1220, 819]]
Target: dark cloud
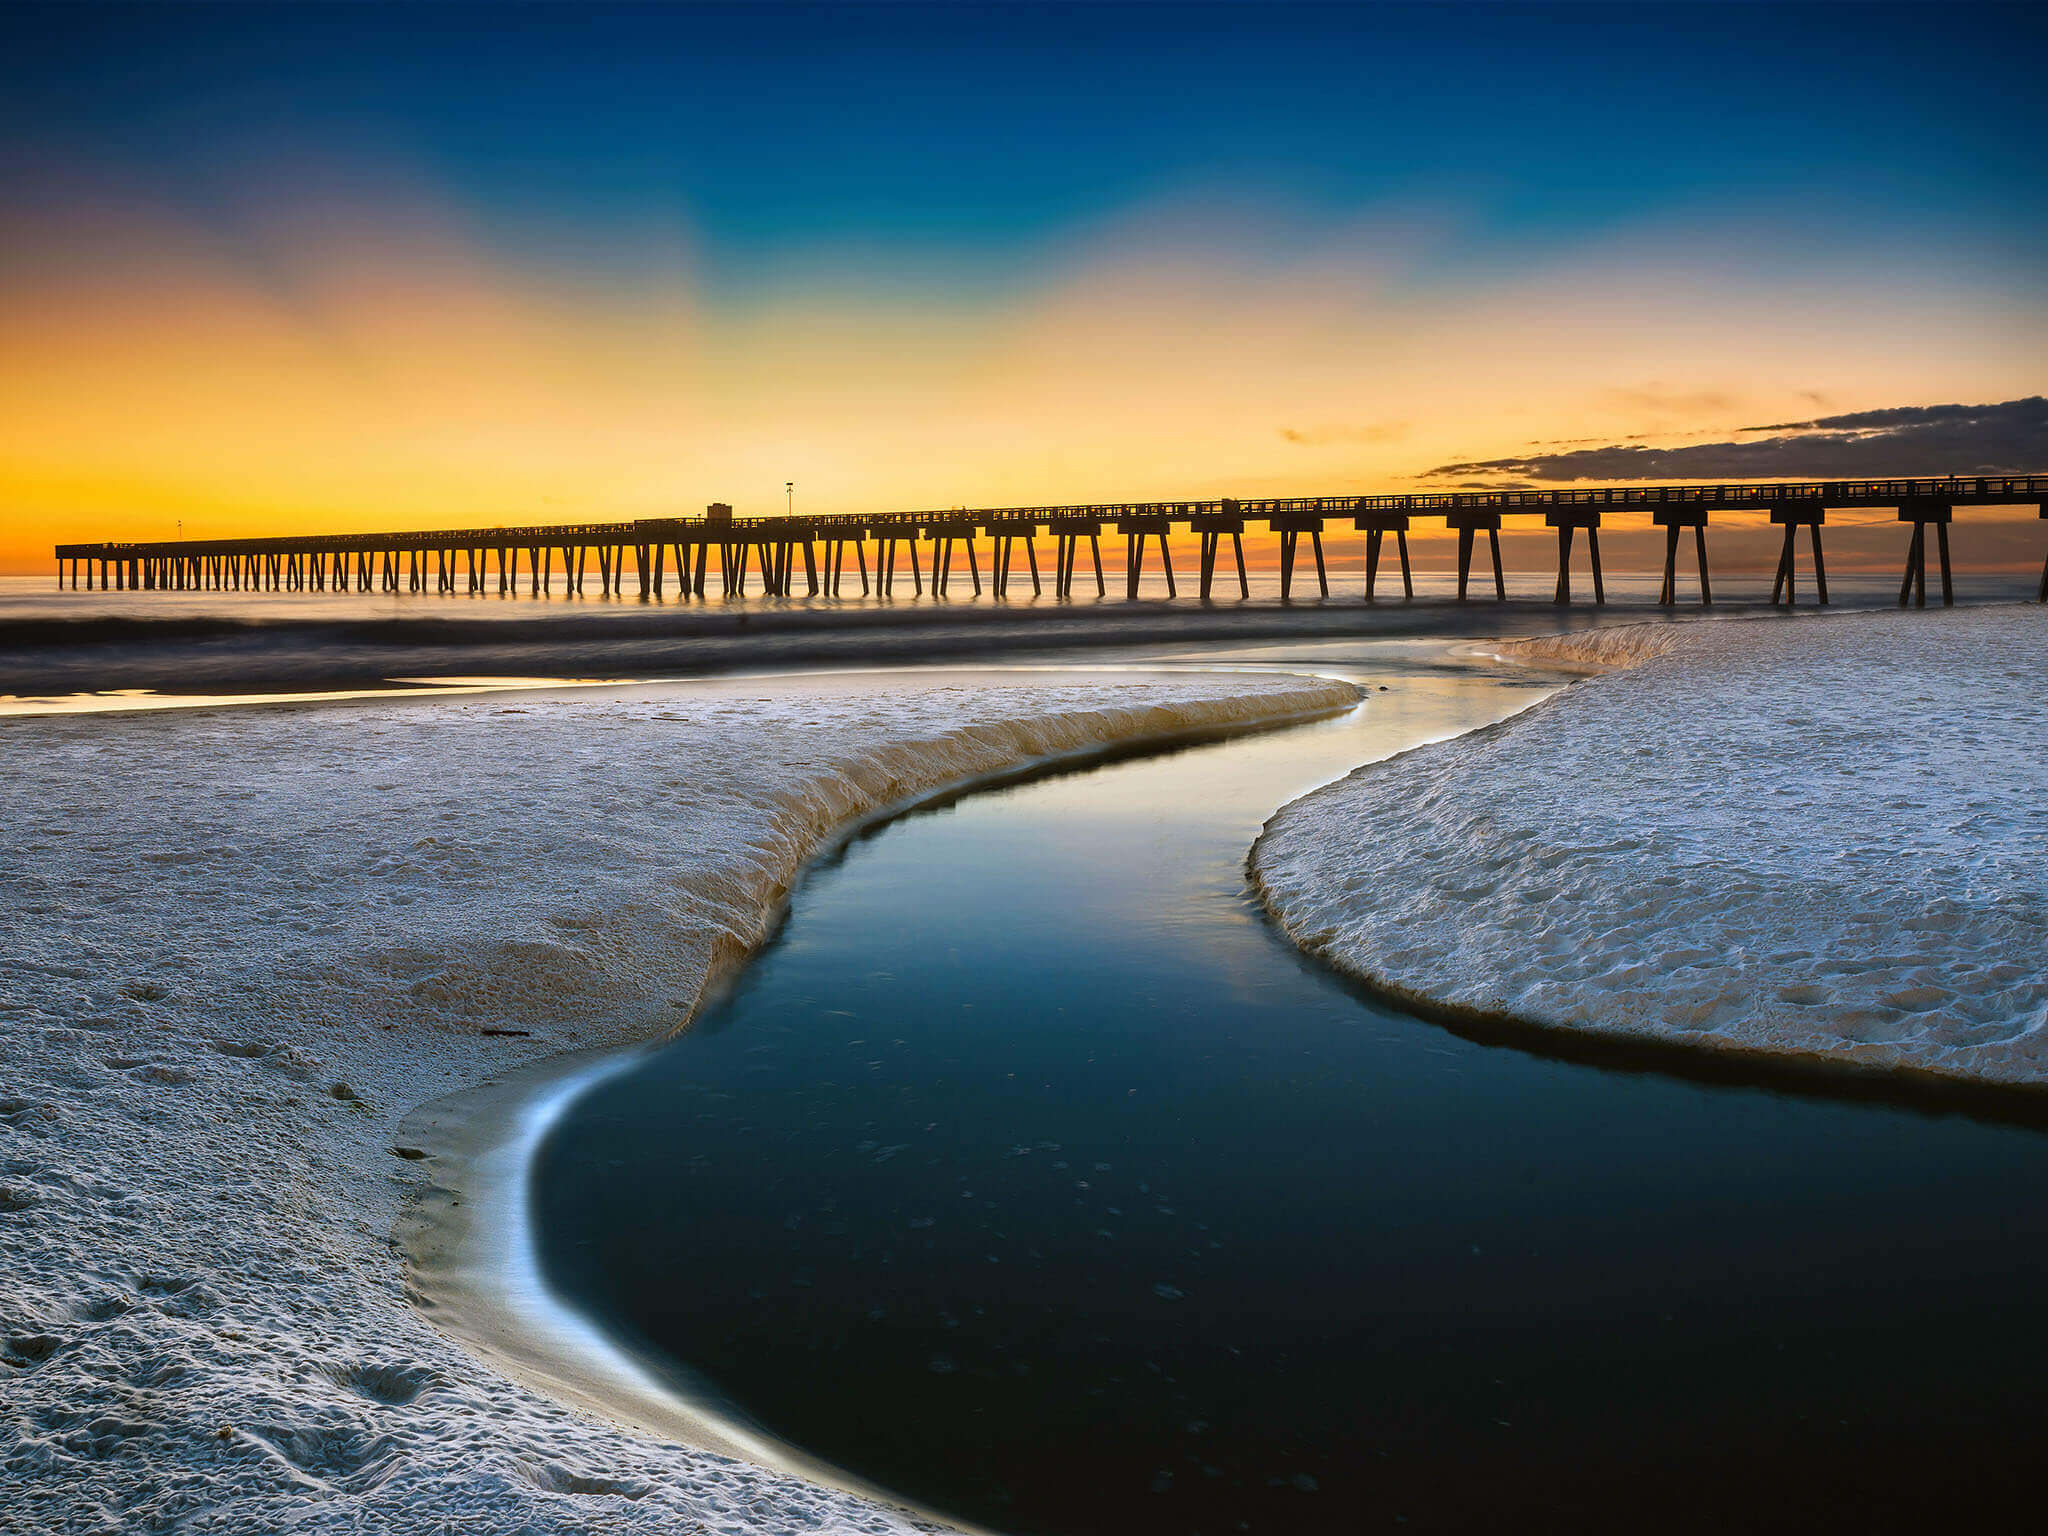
[[1917, 440], [1907, 416]]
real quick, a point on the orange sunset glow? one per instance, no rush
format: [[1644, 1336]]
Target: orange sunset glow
[[357, 352]]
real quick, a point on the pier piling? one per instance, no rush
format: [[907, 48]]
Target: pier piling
[[1375, 527], [1672, 521], [1469, 523], [1792, 516], [1920, 514], [1566, 524]]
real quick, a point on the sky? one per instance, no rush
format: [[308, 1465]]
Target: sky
[[276, 269]]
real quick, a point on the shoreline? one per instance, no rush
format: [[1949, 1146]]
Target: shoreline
[[1918, 1040], [282, 653], [225, 655], [293, 1381]]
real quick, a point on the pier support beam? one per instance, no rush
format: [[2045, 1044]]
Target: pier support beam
[[943, 536], [1920, 514], [1003, 561], [1672, 520], [1290, 533], [1212, 529], [1792, 516], [2043, 598], [1210, 538], [1566, 523], [1376, 526], [885, 563], [1070, 532], [1135, 532], [836, 562], [1467, 524]]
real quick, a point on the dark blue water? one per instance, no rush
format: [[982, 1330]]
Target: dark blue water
[[1032, 1176]]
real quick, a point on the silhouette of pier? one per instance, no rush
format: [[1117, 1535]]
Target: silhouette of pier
[[718, 554]]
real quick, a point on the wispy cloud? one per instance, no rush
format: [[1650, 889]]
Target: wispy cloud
[[2009, 437], [1657, 400], [1324, 437]]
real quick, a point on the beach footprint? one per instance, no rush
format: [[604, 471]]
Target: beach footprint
[[550, 1477], [391, 1386], [25, 1351]]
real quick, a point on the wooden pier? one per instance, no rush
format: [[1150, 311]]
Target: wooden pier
[[718, 554]]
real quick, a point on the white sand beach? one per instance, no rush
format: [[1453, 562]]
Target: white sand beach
[[1820, 839], [242, 943]]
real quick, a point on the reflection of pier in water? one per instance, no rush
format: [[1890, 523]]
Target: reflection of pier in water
[[460, 560]]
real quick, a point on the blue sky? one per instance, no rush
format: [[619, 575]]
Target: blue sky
[[966, 136]]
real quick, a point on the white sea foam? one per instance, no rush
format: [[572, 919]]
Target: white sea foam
[[1823, 838], [242, 943]]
